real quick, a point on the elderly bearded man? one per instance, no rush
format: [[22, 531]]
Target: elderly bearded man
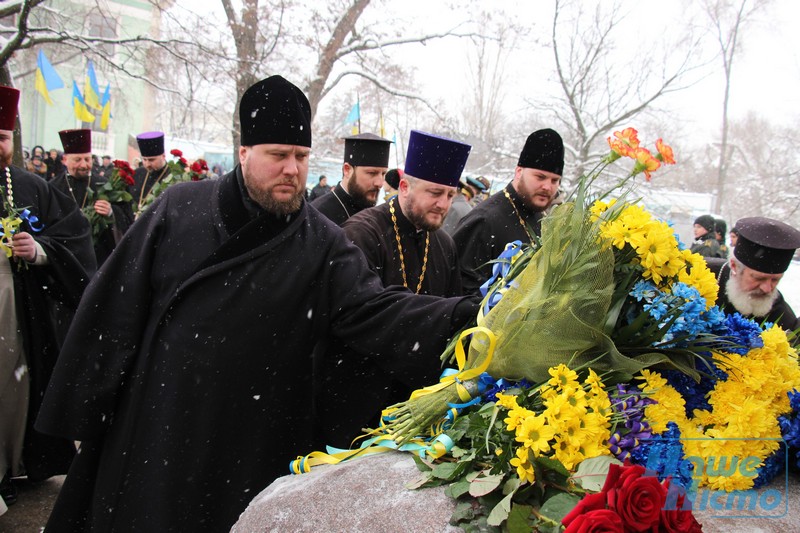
[[188, 373], [749, 280]]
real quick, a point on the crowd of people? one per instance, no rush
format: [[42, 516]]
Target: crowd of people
[[223, 326]]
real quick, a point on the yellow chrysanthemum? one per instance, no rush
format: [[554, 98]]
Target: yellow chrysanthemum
[[509, 401], [516, 417], [523, 465], [535, 434], [563, 377]]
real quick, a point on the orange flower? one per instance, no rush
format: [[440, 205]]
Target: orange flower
[[645, 162], [665, 154], [624, 145]]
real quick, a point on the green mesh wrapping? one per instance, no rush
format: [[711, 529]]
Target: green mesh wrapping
[[555, 311]]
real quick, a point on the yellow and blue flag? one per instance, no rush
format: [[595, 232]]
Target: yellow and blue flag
[[105, 103], [91, 90], [79, 105], [47, 79], [354, 117]]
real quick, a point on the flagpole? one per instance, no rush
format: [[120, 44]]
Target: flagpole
[[358, 101]]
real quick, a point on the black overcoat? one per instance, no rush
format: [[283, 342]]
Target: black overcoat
[[45, 299], [337, 205], [483, 233], [188, 372]]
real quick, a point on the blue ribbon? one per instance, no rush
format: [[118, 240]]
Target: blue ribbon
[[500, 269], [31, 220]]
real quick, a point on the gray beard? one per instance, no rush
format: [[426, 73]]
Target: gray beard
[[747, 304]]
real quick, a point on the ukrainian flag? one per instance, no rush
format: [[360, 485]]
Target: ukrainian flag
[[105, 103], [79, 105], [47, 79], [91, 90]]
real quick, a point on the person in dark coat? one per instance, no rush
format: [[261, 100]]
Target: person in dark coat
[[749, 280], [705, 241], [187, 374], [41, 283], [366, 160], [320, 189], [513, 214], [78, 182], [404, 244], [153, 168], [53, 163]]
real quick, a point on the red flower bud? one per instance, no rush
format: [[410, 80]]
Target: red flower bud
[[176, 152]]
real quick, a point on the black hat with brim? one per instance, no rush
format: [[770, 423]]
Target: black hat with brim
[[275, 111], [367, 150], [543, 150], [766, 245]]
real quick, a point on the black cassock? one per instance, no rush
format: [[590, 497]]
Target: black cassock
[[76, 189], [781, 313], [372, 230], [483, 233], [337, 205], [45, 299], [188, 372]]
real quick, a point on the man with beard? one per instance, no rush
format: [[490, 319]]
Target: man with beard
[[404, 244], [77, 182], [41, 281], [153, 170], [187, 374], [366, 160], [749, 280], [515, 213]]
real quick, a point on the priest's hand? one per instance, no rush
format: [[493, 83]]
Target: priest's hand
[[24, 246], [102, 207]]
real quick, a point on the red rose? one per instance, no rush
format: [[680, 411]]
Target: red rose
[[597, 521], [590, 502], [183, 161], [637, 498], [678, 517], [196, 167], [176, 152]]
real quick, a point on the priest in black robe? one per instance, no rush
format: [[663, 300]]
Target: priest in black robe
[[41, 283], [188, 373], [513, 214], [153, 171], [79, 183], [366, 161], [748, 281], [404, 244]]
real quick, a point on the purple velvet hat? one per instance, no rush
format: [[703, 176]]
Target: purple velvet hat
[[436, 159]]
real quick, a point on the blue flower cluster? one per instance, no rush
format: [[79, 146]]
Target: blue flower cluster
[[790, 425], [664, 454], [684, 309], [695, 394], [743, 334]]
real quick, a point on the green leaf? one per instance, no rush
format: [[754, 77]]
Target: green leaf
[[445, 470], [463, 511], [559, 505], [591, 473], [500, 511], [457, 489], [552, 464], [483, 485], [519, 519]]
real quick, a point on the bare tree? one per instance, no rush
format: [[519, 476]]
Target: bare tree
[[728, 20], [598, 91]]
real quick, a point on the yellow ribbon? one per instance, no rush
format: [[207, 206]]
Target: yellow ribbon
[[9, 226]]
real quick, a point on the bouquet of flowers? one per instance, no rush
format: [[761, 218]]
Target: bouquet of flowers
[[178, 170], [115, 190], [573, 299], [600, 346]]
